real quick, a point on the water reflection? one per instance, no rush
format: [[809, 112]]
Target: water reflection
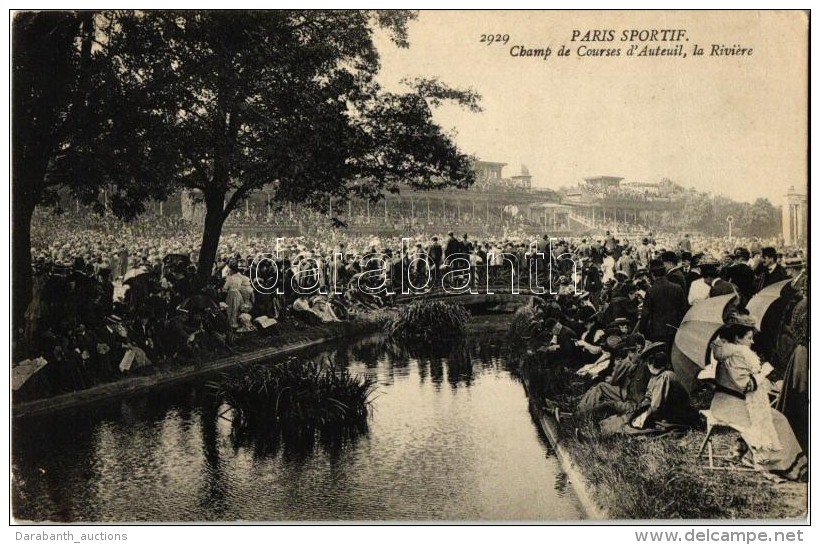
[[451, 438]]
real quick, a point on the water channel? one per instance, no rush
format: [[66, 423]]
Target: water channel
[[450, 439]]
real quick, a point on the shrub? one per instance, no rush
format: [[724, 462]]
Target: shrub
[[428, 322], [297, 399]]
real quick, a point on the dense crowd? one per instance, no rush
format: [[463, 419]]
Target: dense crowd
[[112, 298], [621, 334]]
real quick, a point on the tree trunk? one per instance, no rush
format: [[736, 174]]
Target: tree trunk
[[22, 212], [214, 218]]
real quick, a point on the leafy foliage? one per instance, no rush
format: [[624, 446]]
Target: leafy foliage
[[707, 213], [298, 399], [428, 322], [761, 219], [232, 102], [527, 323]]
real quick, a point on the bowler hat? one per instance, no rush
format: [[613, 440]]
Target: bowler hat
[[670, 257]]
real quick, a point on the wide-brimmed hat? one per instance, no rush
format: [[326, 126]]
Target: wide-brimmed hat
[[612, 337], [629, 342], [744, 320], [651, 348]]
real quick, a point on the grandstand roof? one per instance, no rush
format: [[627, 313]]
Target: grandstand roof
[[603, 179]]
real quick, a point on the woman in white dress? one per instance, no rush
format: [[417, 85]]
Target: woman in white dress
[[742, 400], [233, 287]]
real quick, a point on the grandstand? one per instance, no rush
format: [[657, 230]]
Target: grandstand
[[493, 205], [605, 200]]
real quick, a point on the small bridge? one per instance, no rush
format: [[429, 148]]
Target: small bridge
[[496, 299]]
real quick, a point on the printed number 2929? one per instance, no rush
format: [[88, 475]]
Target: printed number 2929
[[494, 38]]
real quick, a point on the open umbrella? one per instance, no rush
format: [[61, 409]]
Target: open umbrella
[[762, 300], [691, 350], [770, 307]]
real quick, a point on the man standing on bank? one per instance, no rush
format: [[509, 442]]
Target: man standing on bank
[[663, 307]]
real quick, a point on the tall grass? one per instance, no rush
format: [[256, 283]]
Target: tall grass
[[298, 400], [661, 478], [428, 322]]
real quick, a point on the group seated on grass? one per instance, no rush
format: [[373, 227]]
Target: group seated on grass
[[590, 367]]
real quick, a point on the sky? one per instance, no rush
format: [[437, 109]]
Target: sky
[[731, 125]]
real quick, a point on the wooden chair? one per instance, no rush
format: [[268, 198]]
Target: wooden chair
[[713, 423]]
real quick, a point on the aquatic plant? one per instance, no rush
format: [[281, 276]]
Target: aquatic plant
[[428, 322], [526, 324], [298, 399]]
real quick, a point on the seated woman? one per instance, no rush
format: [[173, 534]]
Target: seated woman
[[666, 400], [742, 401], [664, 405], [624, 388]]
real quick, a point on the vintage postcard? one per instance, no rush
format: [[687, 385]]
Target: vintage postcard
[[408, 266]]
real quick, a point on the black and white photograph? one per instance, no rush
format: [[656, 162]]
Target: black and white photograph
[[484, 267]]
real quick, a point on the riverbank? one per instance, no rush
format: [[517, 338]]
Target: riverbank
[[661, 478], [286, 337]]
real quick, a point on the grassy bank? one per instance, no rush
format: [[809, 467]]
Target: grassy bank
[[661, 478], [654, 478]]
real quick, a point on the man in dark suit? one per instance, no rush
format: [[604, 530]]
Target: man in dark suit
[[685, 245], [466, 245], [674, 272], [663, 307], [741, 275], [562, 348], [689, 268], [451, 247], [436, 253], [770, 270], [542, 246]]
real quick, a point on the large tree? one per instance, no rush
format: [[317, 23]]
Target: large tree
[[47, 99], [761, 219], [287, 100], [66, 93]]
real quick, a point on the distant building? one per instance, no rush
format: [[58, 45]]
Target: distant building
[[490, 177], [602, 200], [523, 180], [488, 171], [795, 217], [602, 184], [646, 188]]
